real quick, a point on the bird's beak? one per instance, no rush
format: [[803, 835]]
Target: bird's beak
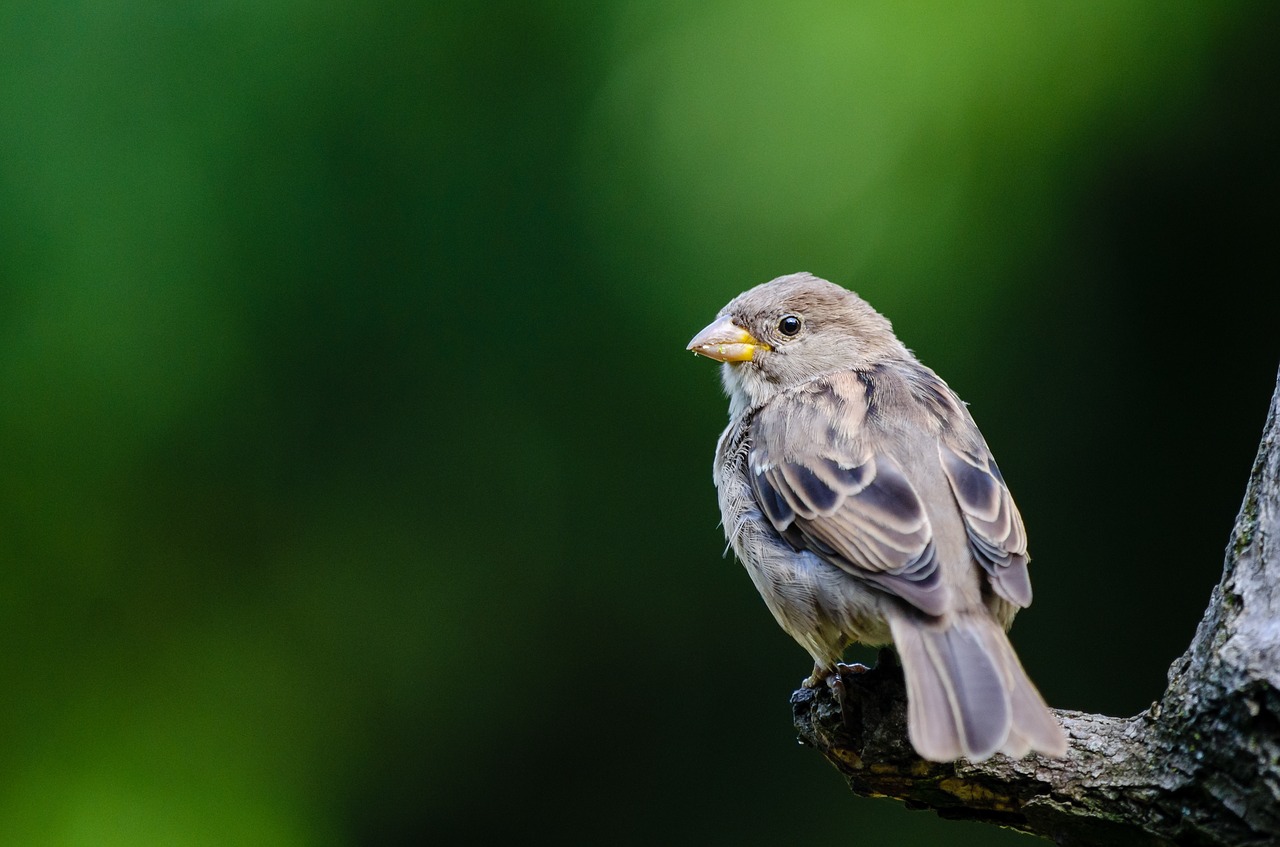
[[725, 341]]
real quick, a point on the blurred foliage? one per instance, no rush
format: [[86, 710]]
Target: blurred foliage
[[357, 483]]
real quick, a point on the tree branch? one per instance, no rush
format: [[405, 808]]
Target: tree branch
[[1201, 766]]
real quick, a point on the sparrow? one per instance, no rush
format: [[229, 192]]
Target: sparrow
[[865, 505]]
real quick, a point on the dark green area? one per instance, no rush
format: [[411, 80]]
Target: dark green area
[[357, 485]]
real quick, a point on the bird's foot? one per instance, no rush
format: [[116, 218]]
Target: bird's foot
[[820, 675], [835, 681], [830, 676]]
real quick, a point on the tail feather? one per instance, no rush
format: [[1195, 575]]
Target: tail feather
[[1034, 726], [927, 695], [967, 694]]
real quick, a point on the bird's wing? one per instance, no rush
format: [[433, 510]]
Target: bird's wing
[[824, 488], [996, 534]]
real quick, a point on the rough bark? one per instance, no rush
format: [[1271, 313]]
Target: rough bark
[[1200, 767]]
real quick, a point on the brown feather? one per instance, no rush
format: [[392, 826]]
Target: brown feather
[[865, 504]]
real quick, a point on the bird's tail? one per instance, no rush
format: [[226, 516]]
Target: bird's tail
[[967, 694]]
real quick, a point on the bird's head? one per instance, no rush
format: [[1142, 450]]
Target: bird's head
[[787, 331]]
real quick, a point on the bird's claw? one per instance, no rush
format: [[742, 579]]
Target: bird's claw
[[820, 675]]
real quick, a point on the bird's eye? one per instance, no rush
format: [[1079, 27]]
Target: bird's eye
[[789, 325]]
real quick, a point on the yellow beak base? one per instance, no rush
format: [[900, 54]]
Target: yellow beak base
[[725, 341]]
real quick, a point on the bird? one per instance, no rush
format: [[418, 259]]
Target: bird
[[864, 503]]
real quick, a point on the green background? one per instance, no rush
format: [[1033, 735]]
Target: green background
[[356, 485]]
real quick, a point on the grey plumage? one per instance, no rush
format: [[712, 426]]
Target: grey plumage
[[865, 505]]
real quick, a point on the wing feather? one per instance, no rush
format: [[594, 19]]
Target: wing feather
[[823, 489], [996, 533]]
